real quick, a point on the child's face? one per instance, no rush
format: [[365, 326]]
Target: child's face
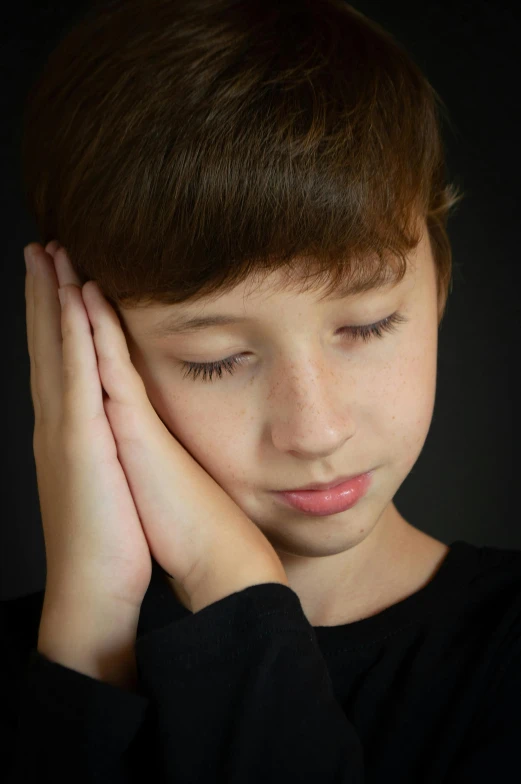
[[307, 403]]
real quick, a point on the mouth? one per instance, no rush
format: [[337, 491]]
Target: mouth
[[320, 503], [323, 485]]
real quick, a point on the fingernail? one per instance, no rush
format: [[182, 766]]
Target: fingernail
[[30, 262]]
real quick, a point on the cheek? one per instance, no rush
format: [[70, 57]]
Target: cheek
[[410, 406]]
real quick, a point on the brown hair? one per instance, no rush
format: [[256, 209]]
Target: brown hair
[[178, 147]]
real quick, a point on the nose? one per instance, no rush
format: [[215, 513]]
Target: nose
[[309, 412]]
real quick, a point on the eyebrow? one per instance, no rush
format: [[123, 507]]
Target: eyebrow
[[179, 324]]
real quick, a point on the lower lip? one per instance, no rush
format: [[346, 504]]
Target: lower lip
[[327, 502]]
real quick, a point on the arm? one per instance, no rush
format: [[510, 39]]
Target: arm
[[69, 704], [91, 638], [242, 693], [218, 584]]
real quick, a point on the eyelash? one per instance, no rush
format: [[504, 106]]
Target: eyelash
[[364, 333]]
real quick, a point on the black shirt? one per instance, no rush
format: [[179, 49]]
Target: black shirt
[[246, 691]]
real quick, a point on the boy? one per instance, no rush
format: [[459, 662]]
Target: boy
[[277, 166]]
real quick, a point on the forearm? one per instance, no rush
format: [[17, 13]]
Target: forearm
[[97, 641]]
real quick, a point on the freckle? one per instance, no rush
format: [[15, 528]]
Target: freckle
[[361, 530]]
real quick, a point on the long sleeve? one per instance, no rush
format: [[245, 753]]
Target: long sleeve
[[70, 727], [243, 694], [490, 750], [247, 691]]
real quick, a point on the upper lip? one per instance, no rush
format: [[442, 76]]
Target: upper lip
[[322, 485]]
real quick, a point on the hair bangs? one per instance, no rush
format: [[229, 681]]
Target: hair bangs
[[179, 149]]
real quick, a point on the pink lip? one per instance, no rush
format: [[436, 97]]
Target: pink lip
[[331, 501], [321, 485]]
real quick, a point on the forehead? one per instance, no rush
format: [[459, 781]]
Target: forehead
[[231, 307]]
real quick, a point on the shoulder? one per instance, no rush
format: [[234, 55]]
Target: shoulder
[[498, 572], [494, 599]]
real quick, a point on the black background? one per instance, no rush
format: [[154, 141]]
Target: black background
[[463, 484]]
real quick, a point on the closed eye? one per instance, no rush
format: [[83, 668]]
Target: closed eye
[[364, 333]]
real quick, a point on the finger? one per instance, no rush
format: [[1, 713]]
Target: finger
[[64, 270], [50, 248], [119, 378], [68, 277], [82, 390], [44, 338], [29, 321]]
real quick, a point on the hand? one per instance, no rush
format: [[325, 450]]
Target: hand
[[96, 550], [194, 529]]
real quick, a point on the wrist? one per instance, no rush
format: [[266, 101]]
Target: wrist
[[92, 639], [214, 586]]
